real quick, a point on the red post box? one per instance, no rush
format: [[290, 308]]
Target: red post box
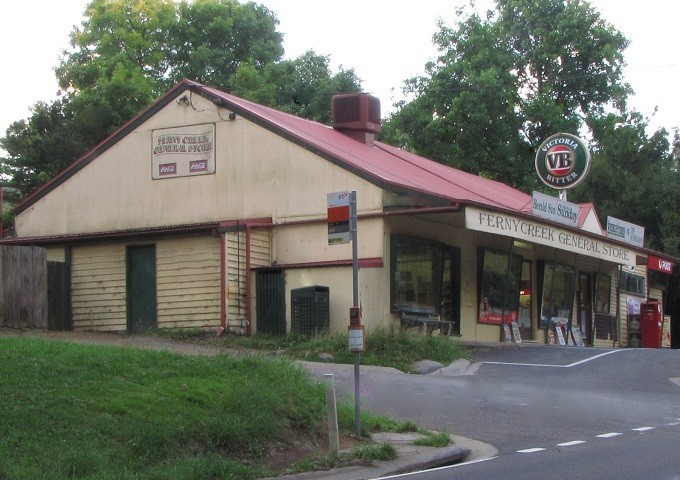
[[651, 324]]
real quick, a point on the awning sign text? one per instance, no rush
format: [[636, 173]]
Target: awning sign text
[[525, 229]]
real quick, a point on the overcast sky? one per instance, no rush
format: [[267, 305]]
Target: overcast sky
[[385, 42]]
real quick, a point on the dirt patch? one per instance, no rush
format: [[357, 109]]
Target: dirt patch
[[208, 344]]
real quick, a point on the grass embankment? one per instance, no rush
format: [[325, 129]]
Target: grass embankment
[[74, 411], [384, 348], [79, 411]]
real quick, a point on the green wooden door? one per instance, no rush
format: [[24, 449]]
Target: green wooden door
[[271, 302], [141, 288]]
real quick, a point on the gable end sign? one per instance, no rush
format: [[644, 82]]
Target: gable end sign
[[562, 161], [183, 151]]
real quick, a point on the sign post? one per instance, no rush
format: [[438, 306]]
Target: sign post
[[342, 228]]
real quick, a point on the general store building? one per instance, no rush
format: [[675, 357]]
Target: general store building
[[207, 210]]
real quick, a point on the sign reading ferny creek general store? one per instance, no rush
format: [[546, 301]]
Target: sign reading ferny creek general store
[[548, 235], [183, 151]]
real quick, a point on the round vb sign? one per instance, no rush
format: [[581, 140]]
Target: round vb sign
[[562, 161]]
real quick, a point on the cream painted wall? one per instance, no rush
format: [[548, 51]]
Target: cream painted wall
[[373, 293], [258, 174], [309, 243]]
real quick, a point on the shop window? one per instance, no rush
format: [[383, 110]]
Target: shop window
[[603, 291], [558, 294], [632, 283], [499, 285], [425, 278]]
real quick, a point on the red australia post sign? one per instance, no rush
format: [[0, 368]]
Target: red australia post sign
[[659, 264]]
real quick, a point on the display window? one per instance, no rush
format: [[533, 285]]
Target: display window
[[603, 292], [632, 283], [499, 276], [425, 279], [558, 294]]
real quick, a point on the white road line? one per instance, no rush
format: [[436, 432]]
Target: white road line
[[580, 362], [531, 450], [609, 435], [571, 444], [673, 424], [404, 475], [642, 429]]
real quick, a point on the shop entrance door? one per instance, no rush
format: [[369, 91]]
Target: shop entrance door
[[526, 330], [141, 288], [585, 308]]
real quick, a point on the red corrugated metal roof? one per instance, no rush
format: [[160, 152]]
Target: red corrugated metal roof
[[382, 164], [386, 165]]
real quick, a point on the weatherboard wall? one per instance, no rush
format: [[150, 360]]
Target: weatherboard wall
[[188, 282], [98, 299]]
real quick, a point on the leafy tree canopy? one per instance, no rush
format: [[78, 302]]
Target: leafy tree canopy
[[128, 52], [506, 80]]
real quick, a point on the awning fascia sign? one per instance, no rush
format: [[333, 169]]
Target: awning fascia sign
[[659, 264], [545, 234]]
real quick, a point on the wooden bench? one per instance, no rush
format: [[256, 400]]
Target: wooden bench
[[426, 323]]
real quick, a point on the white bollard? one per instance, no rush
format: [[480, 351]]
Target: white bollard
[[333, 439]]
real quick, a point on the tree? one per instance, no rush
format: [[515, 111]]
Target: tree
[[569, 62], [633, 177], [128, 52], [212, 38], [303, 86], [464, 113], [42, 146], [504, 82]]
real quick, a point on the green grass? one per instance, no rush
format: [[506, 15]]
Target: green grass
[[434, 440], [383, 348], [374, 452], [98, 412], [76, 411]]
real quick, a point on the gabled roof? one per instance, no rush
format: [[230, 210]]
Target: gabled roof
[[389, 167], [588, 213], [386, 166]]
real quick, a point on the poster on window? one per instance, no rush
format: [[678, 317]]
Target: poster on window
[[183, 151], [495, 316]]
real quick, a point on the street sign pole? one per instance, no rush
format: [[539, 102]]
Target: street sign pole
[[342, 228], [355, 287]]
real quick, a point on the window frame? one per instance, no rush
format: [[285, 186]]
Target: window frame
[[499, 314], [447, 295], [627, 278]]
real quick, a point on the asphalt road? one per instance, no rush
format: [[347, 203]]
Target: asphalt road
[[552, 412]]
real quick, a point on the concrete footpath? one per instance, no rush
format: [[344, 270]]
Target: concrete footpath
[[410, 458]]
